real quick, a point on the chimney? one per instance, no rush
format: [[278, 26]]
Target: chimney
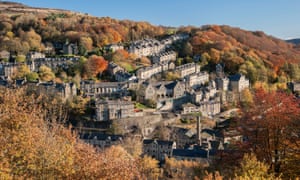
[[199, 128]]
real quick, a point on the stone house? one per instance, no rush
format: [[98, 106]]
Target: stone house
[[9, 70], [177, 89], [101, 140], [122, 76], [207, 108], [158, 149], [96, 89], [70, 48], [187, 69], [232, 136], [63, 90], [183, 137], [238, 83], [195, 154], [294, 86], [114, 109], [197, 79], [161, 90], [35, 55], [114, 47], [147, 72], [113, 68], [146, 47], [53, 63], [164, 57], [222, 83]]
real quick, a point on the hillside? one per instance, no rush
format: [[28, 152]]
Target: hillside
[[25, 28], [294, 41], [261, 57]]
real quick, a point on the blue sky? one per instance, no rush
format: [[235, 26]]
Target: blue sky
[[279, 18]]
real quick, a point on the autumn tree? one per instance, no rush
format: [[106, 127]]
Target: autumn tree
[[32, 147], [271, 126], [180, 169], [96, 65], [45, 73], [22, 71], [149, 168], [251, 168], [133, 145]]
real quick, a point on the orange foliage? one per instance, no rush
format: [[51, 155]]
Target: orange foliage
[[96, 65], [269, 124]]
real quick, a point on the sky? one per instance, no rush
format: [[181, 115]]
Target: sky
[[278, 18]]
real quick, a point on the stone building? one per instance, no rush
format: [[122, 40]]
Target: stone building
[[8, 70], [162, 90], [207, 108], [187, 69], [158, 149], [101, 140], [63, 90], [113, 68], [146, 47], [148, 72], [222, 83], [114, 47], [164, 57], [197, 79], [70, 48], [96, 89], [35, 55], [114, 109], [238, 83], [53, 63], [294, 86]]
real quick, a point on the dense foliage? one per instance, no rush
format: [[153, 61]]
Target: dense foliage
[[23, 29]]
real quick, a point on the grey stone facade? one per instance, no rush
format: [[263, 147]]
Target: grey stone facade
[[187, 69], [158, 149], [113, 109]]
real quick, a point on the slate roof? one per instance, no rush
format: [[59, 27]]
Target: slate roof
[[235, 77], [159, 142], [190, 153], [100, 136]]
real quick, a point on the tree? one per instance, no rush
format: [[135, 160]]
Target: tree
[[32, 76], [45, 73], [187, 49], [133, 145], [246, 98], [251, 168], [149, 168], [270, 125], [32, 147], [23, 71], [20, 58], [96, 65], [180, 169]]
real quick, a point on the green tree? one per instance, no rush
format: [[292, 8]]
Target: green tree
[[45, 73], [20, 58], [32, 77]]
